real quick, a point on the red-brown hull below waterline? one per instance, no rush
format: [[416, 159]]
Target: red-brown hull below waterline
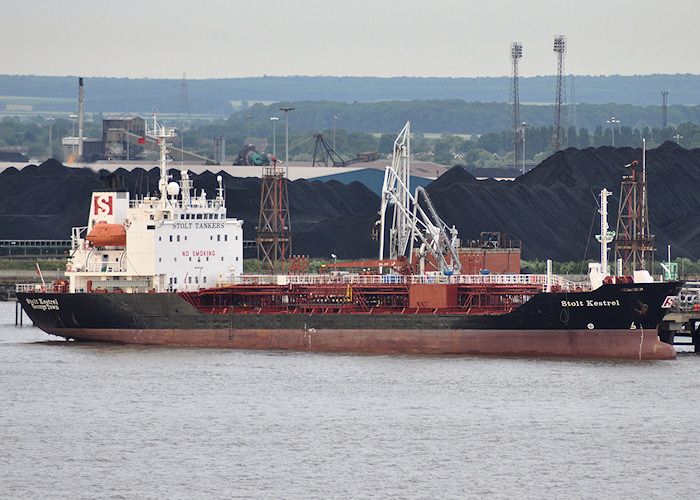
[[620, 344]]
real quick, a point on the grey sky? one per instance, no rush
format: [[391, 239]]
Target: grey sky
[[445, 38]]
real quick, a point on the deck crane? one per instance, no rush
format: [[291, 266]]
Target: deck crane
[[411, 223]]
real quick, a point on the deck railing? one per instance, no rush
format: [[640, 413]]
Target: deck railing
[[542, 280], [40, 288]]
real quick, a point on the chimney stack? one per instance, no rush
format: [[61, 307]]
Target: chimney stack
[[80, 119]]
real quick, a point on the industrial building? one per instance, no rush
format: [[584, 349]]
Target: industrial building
[[123, 139]]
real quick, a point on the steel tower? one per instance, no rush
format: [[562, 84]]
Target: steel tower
[[634, 243], [559, 50], [273, 234]]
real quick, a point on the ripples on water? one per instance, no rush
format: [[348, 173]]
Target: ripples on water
[[86, 420]]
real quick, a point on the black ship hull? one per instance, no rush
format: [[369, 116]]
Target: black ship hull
[[614, 321]]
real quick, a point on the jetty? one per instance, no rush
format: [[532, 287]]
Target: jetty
[[681, 326]]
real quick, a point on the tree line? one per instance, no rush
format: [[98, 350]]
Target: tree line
[[460, 117], [486, 149], [219, 97]]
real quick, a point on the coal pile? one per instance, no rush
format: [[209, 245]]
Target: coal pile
[[46, 201], [552, 209]]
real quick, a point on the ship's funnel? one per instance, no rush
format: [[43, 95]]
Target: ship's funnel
[[108, 206]]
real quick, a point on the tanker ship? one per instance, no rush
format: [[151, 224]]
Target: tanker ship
[[167, 270]]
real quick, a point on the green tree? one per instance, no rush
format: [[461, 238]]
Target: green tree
[[492, 142], [386, 143], [598, 136], [442, 153], [584, 139]]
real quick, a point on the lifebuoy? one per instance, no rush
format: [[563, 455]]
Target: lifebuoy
[[68, 268]]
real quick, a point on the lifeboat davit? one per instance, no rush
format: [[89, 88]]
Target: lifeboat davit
[[107, 235]]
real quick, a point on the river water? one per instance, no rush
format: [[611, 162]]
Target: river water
[[82, 420]]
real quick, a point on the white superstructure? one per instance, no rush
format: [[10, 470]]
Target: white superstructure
[[178, 240]]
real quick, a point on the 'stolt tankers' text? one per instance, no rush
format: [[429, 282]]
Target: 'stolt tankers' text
[[198, 225]]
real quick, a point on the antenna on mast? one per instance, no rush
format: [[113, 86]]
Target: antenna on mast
[[163, 136]]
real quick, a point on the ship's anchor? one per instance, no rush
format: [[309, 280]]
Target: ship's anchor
[[564, 316]]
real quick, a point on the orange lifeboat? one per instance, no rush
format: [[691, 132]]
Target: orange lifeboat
[[107, 235]]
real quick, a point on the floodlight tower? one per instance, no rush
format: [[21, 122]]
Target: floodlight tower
[[559, 50], [516, 53]]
